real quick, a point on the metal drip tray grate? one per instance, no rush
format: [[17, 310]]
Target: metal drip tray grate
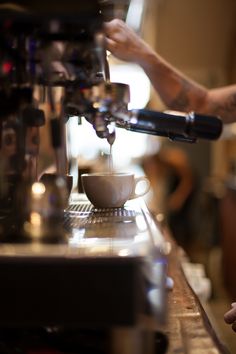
[[80, 208], [112, 232], [81, 214]]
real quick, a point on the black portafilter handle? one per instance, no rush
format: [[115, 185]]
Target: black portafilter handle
[[176, 126]]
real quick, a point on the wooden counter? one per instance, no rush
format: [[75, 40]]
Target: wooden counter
[[187, 326], [227, 212]]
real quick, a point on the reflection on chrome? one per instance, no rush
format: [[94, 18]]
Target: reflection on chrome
[[141, 223], [77, 236]]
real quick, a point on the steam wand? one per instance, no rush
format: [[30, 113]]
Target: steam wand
[[57, 135]]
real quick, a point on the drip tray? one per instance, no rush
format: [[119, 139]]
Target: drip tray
[[102, 225], [129, 231], [78, 215]]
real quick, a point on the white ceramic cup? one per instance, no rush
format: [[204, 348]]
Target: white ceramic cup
[[112, 190]]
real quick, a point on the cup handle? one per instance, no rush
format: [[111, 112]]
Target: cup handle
[[146, 188]]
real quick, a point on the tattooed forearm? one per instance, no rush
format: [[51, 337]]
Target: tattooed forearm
[[181, 101], [224, 105], [179, 92], [190, 97], [229, 105]]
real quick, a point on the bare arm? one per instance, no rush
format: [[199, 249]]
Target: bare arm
[[230, 316], [177, 91]]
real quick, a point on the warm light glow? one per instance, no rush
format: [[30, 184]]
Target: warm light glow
[[33, 227], [124, 252], [35, 219], [160, 217], [96, 105], [38, 189]]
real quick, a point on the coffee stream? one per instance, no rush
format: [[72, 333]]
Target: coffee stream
[[110, 161], [111, 140]]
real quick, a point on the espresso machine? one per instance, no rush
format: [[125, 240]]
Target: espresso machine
[[55, 54], [70, 271]]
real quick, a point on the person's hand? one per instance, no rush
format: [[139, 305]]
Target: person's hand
[[124, 43], [230, 316]]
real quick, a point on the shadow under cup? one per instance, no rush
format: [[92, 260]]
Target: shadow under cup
[[112, 190]]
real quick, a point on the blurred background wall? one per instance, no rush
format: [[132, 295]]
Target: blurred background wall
[[199, 38]]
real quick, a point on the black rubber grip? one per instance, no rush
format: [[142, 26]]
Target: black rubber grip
[[176, 126]]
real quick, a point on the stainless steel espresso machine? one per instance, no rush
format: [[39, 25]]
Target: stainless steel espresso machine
[[73, 278]]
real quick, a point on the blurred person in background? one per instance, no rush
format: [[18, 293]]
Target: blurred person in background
[[173, 185], [177, 91]]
